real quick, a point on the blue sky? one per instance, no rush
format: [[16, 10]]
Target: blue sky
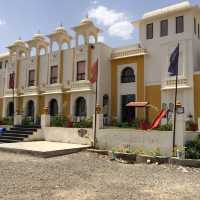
[[23, 18]]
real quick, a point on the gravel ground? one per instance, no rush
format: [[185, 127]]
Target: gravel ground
[[90, 176]]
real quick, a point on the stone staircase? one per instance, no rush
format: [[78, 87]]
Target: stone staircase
[[18, 133]]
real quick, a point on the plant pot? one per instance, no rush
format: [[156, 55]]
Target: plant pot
[[151, 159], [128, 157]]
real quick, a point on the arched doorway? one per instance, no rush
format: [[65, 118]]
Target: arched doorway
[[30, 109], [53, 107], [80, 108], [10, 109]]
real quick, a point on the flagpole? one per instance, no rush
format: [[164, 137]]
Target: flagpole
[[175, 109], [95, 114], [13, 89]]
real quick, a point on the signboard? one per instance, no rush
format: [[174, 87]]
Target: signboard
[[180, 110]]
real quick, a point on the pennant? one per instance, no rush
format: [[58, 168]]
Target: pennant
[[173, 68], [94, 72]]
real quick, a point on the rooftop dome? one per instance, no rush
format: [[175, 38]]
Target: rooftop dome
[[18, 41], [60, 28], [38, 36], [86, 21]]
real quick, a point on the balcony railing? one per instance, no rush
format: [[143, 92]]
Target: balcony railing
[[83, 85], [128, 53]]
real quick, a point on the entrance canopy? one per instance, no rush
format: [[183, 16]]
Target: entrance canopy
[[138, 104]]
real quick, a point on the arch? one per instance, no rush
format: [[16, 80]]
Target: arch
[[64, 45], [10, 109], [127, 75], [92, 39], [33, 51], [81, 40], [30, 109], [105, 105], [55, 46], [53, 107], [80, 107], [42, 51]]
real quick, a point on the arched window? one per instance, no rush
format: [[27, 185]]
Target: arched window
[[80, 107], [55, 46], [30, 109], [42, 51], [33, 51], [127, 75], [65, 46], [10, 109], [53, 107], [105, 105]]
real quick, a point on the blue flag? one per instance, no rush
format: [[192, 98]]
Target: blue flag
[[173, 68]]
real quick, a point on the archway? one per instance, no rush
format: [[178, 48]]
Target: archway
[[10, 109], [30, 109], [80, 108], [53, 107]]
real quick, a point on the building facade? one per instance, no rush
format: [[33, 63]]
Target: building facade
[[50, 73]]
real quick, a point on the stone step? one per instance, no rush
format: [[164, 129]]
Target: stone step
[[3, 140], [20, 131], [11, 138], [16, 135], [28, 126]]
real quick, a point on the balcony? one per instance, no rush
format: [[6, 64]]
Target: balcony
[[55, 88], [29, 91], [81, 86], [171, 83], [9, 92]]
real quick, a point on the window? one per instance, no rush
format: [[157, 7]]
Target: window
[[80, 107], [31, 77], [179, 24], [198, 31], [6, 63], [54, 74], [164, 28], [195, 26], [80, 70], [1, 64], [11, 81], [149, 31], [127, 75]]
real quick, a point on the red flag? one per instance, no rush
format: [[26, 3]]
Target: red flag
[[94, 72], [12, 81]]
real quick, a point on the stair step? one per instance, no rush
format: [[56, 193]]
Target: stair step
[[27, 126], [11, 138], [20, 132], [3, 140], [16, 135]]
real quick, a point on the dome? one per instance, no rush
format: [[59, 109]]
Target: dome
[[60, 29], [86, 21], [38, 36], [18, 42]]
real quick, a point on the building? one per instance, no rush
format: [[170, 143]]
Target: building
[[50, 73]]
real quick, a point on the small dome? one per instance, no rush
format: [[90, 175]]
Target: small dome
[[86, 21], [60, 29], [18, 41], [38, 36]]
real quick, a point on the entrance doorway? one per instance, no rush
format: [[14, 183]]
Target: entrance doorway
[[30, 110], [127, 113], [10, 109], [53, 107]]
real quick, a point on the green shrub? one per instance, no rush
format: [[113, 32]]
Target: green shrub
[[58, 121], [7, 121], [164, 127], [134, 124], [193, 148], [28, 121], [85, 123], [191, 125]]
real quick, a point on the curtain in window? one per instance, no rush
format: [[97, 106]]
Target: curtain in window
[[54, 74], [81, 70]]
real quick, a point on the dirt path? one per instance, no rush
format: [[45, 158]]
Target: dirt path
[[88, 176]]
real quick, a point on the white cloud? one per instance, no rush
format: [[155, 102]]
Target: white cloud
[[123, 29], [105, 16], [2, 22], [117, 23]]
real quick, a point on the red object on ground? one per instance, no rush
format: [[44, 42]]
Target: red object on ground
[[157, 120]]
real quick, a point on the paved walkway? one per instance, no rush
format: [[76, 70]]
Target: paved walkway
[[42, 148]]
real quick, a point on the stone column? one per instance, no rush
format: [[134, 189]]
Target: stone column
[[45, 118]]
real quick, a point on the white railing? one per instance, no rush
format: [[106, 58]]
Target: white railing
[[127, 53], [81, 85]]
